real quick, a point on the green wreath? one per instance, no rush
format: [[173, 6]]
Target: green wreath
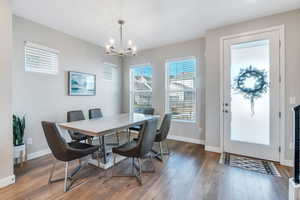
[[257, 89]]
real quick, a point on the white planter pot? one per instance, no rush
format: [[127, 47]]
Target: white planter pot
[[20, 153]]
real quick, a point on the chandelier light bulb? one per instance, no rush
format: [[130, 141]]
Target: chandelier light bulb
[[130, 43], [111, 41]]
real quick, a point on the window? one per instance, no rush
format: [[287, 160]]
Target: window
[[108, 71], [41, 59], [140, 87], [181, 89]]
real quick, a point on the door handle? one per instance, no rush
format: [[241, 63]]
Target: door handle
[[226, 111]]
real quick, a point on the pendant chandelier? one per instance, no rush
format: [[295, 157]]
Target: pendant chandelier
[[120, 50]]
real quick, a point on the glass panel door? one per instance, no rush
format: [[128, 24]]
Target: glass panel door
[[251, 95]]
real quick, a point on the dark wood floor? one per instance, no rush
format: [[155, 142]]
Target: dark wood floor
[[190, 173]]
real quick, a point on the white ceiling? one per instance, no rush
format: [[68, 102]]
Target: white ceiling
[[149, 23]]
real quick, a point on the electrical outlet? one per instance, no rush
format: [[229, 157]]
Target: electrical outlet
[[29, 140]]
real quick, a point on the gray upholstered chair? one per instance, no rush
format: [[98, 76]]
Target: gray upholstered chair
[[138, 149], [65, 152], [96, 113], [161, 137], [145, 111], [76, 115]]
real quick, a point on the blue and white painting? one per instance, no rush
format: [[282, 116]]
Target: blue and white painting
[[82, 84]]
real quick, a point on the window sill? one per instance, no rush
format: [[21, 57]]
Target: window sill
[[183, 121]]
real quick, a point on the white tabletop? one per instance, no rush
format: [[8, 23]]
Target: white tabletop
[[105, 125]]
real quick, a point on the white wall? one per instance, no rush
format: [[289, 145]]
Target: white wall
[[44, 97], [157, 58], [6, 162], [291, 21]]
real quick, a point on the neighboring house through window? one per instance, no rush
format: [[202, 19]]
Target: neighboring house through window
[[140, 86], [181, 88]]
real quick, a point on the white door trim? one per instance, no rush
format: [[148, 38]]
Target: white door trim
[[281, 30]]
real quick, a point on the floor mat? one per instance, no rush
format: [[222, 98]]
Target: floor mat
[[252, 164]]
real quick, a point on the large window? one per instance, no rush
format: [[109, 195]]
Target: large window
[[181, 88], [140, 86], [40, 58]]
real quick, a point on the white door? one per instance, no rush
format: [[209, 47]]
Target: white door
[[251, 94]]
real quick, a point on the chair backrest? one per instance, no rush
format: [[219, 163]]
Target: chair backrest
[[165, 126], [145, 111], [75, 115], [57, 144], [147, 137], [95, 113]]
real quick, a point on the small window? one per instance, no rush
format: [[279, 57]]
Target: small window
[[40, 59], [140, 86], [108, 71], [181, 89]]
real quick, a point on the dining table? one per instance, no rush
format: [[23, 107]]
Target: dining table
[[104, 126]]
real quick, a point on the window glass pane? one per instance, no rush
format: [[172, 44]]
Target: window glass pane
[[181, 89], [142, 99], [250, 122], [181, 74], [182, 105], [142, 77], [141, 86]]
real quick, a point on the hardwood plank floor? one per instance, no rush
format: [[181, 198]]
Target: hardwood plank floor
[[189, 173]]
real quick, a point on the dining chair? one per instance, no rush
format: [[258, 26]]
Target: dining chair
[[138, 150], [145, 111], [66, 152], [96, 113], [77, 115], [161, 137]]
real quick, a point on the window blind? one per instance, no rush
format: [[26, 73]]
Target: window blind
[[181, 90], [108, 71], [41, 59]]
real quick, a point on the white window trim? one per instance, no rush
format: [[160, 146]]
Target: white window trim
[[131, 91], [45, 48], [196, 117]]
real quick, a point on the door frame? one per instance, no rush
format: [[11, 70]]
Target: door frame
[[281, 138]]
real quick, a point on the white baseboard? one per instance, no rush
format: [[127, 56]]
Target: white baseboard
[[7, 181], [289, 163], [38, 154], [185, 139], [212, 149]]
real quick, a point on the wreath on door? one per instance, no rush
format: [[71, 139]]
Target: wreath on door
[[251, 83]]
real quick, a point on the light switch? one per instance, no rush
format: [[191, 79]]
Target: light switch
[[292, 100]]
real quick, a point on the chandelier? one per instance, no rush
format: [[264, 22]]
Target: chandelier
[[120, 50]]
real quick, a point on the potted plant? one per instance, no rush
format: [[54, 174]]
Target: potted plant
[[18, 137]]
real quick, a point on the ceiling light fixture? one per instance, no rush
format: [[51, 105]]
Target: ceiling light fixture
[[120, 50]]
